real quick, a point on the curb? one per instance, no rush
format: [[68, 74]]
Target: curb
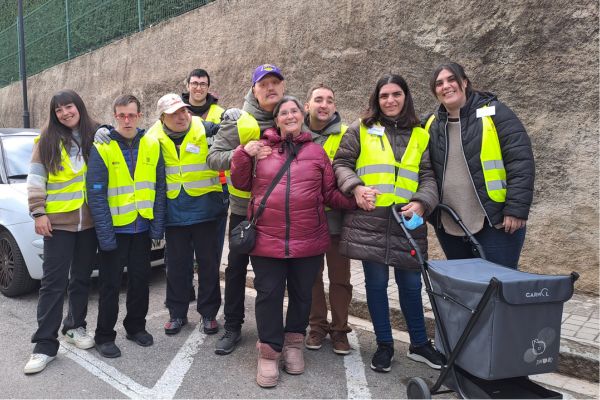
[[576, 359]]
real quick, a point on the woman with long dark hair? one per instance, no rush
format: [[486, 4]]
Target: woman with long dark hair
[[56, 193], [484, 168], [385, 156]]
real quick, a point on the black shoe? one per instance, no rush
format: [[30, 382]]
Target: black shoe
[[209, 325], [108, 350], [382, 359], [227, 343], [174, 325], [142, 338], [426, 354]]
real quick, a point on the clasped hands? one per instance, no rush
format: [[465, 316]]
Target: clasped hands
[[257, 149]]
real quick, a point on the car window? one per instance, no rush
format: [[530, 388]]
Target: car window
[[17, 154]]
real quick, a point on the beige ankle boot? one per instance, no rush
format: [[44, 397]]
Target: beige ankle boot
[[267, 370], [293, 353]]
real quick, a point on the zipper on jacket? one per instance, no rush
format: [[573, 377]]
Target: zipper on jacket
[[132, 174], [287, 211], [470, 177]]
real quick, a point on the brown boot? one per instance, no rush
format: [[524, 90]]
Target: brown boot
[[267, 370], [293, 353]]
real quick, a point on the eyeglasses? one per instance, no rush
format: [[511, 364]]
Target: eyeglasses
[[196, 84], [130, 117], [288, 112]]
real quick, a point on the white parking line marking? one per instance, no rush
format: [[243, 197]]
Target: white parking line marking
[[165, 388], [356, 380]]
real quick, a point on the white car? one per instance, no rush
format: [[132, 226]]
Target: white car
[[21, 249]]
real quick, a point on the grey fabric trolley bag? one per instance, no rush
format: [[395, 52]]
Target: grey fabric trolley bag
[[518, 333]]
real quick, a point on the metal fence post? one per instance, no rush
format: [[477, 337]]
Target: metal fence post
[[140, 12], [68, 29], [22, 67]]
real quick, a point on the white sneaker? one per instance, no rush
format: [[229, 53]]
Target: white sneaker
[[37, 362], [79, 338]]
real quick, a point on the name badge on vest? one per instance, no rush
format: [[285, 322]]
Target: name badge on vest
[[486, 111], [192, 148], [376, 130]]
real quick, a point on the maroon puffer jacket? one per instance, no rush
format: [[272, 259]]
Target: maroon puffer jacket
[[293, 224]]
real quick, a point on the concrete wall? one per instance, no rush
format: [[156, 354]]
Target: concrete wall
[[540, 57]]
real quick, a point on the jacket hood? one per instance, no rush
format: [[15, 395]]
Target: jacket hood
[[334, 126], [273, 137], [264, 118]]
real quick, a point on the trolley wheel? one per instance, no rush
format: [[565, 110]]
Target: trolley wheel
[[417, 389]]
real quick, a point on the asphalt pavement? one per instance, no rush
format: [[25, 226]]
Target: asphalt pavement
[[185, 366]]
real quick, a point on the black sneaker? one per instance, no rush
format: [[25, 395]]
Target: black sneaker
[[143, 338], [382, 359], [426, 354], [209, 325], [108, 350], [227, 343]]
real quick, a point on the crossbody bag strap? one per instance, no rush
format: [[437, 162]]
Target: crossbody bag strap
[[284, 167]]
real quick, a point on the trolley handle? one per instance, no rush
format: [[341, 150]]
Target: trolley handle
[[397, 212], [474, 242]]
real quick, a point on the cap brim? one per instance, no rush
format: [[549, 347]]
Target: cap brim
[[277, 74], [174, 108]]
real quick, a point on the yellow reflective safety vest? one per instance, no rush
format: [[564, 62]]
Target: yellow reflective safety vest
[[187, 169], [65, 189], [332, 143], [376, 165], [248, 129], [214, 114], [490, 156], [127, 196]]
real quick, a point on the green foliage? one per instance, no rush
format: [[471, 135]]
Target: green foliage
[[58, 30]]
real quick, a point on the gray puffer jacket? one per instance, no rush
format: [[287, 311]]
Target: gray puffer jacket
[[375, 235], [227, 140]]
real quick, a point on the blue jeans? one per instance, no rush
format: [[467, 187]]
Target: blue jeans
[[499, 247], [409, 291]]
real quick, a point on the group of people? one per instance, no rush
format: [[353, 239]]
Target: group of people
[[318, 188]]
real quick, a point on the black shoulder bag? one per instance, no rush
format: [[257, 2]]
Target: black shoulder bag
[[243, 236]]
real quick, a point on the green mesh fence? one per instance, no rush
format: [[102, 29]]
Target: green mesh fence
[[62, 29]]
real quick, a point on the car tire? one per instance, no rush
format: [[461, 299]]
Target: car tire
[[14, 277]]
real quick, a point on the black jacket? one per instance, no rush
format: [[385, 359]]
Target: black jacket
[[516, 150]]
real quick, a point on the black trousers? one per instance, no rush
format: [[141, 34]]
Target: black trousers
[[271, 277], [235, 282], [65, 252], [183, 242], [132, 250]]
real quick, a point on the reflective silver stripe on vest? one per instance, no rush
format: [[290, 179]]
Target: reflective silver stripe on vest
[[120, 210], [384, 189], [201, 184], [145, 185], [376, 169], [145, 204], [194, 168], [64, 196], [120, 190], [493, 164], [405, 173], [172, 170], [62, 185], [173, 186], [496, 185], [404, 193]]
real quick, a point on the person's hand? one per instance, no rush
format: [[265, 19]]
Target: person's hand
[[102, 136], [263, 152], [43, 226], [413, 207], [512, 224], [231, 114], [257, 149], [365, 197]]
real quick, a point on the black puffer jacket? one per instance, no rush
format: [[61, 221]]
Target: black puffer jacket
[[515, 145], [375, 235]]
